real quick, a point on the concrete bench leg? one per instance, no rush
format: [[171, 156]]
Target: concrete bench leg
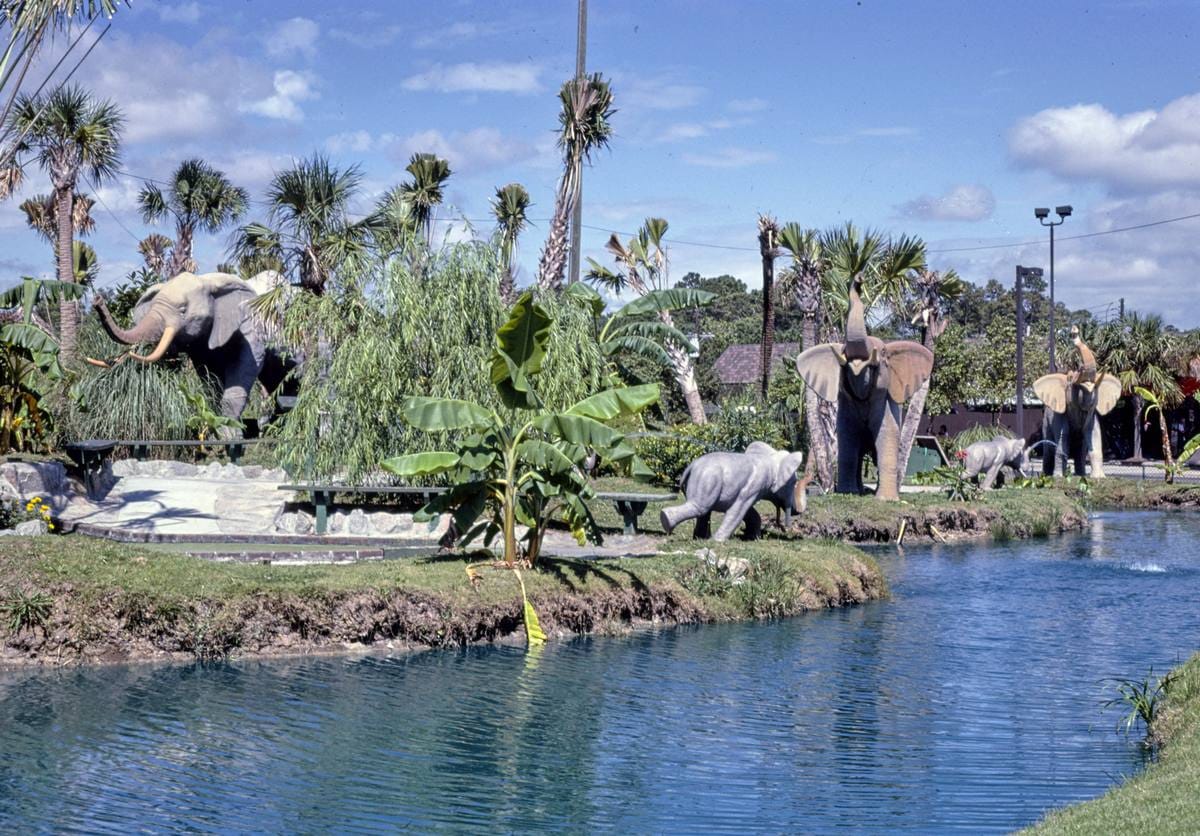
[[321, 501], [630, 511], [235, 453]]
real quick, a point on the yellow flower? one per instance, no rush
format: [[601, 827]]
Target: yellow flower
[[49, 526]]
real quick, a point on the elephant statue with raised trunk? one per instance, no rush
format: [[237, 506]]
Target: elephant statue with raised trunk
[[868, 379], [205, 317], [731, 483], [1073, 401]]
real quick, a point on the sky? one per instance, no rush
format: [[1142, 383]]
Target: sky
[[947, 120]]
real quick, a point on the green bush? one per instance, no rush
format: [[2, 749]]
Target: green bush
[[979, 432]]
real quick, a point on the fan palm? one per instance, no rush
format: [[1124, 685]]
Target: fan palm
[[768, 249], [510, 206], [426, 191], [197, 196], [309, 230], [584, 127], [40, 217], [155, 250], [71, 134], [1141, 352]]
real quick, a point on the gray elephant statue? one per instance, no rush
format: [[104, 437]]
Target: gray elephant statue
[[206, 318], [731, 483], [988, 457], [1072, 401], [868, 379]]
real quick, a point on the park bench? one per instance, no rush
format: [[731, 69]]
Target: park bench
[[629, 505], [235, 447], [89, 457]]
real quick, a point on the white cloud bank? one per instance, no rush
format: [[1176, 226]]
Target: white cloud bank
[[964, 202], [470, 77]]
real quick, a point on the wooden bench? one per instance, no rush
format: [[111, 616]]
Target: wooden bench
[[632, 505], [235, 447], [322, 496], [90, 456], [629, 505]]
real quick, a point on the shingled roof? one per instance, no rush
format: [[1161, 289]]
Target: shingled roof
[[741, 364]]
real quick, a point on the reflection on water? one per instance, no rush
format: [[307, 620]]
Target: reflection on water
[[970, 700]]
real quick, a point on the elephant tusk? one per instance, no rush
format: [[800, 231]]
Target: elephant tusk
[[839, 354], [164, 343], [99, 363], [874, 361]]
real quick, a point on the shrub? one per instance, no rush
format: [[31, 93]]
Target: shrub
[[979, 432]]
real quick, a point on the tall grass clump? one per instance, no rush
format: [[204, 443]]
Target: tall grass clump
[[417, 324], [130, 400]]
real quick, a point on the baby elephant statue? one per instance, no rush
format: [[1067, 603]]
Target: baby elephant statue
[[988, 457], [731, 483]]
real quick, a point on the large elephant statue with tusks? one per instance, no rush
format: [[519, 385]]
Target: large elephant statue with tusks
[[1073, 401], [206, 317], [868, 379]]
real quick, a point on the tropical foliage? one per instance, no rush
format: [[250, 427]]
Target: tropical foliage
[[522, 463]]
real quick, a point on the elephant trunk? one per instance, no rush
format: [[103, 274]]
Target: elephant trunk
[[164, 343], [150, 328], [856, 325], [1087, 361]]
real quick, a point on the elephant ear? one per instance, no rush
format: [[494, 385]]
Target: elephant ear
[[1052, 390], [821, 369], [788, 465], [1108, 392], [229, 295], [143, 303], [909, 366]]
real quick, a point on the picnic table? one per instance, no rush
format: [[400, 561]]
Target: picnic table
[[629, 505]]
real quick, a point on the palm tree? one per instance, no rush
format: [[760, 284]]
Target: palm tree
[[510, 206], [425, 192], [197, 195], [71, 134], [40, 217], [1143, 352], [933, 293], [309, 231], [155, 250], [803, 283], [768, 249], [584, 127], [642, 268]]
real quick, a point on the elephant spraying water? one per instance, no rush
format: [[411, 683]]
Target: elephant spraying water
[[868, 379], [1073, 400]]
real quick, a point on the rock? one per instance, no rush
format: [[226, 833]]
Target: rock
[[126, 467], [174, 468], [31, 528], [252, 471], [294, 522], [30, 479], [357, 522], [734, 568]]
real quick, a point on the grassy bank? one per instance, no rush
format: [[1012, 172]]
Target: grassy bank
[[1166, 797], [72, 599], [1135, 494]]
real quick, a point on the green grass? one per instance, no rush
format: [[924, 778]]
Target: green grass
[[1165, 798]]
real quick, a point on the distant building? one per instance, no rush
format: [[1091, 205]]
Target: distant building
[[740, 366]]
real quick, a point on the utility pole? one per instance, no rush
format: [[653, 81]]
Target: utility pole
[[1022, 272], [577, 214], [1122, 308], [1042, 213]]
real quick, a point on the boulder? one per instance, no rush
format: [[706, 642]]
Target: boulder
[[294, 522], [31, 528], [22, 481]]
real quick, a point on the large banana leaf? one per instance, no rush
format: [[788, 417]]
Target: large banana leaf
[[653, 329], [586, 296], [636, 345], [522, 340], [544, 456], [29, 337], [422, 464], [672, 299], [437, 414], [578, 429], [611, 403]]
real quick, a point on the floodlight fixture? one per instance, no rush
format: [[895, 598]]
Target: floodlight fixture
[[1063, 211], [1041, 212]]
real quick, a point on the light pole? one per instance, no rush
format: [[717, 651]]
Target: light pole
[[1022, 273], [577, 211], [1042, 214]]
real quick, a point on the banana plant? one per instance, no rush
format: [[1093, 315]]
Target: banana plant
[[522, 465], [1156, 402]]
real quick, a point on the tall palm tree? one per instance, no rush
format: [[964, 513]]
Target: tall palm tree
[[768, 249], [426, 191], [642, 268], [933, 292], [309, 230], [40, 215], [510, 206], [802, 282], [155, 250], [1141, 352], [70, 133], [584, 127], [198, 195]]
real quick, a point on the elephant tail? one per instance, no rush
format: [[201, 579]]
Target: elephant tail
[[683, 480]]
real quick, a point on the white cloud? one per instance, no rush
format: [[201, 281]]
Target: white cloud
[[179, 12], [493, 77], [752, 105], [353, 141], [730, 157], [369, 38], [964, 202], [296, 35], [455, 33], [474, 150], [290, 87], [1145, 150], [655, 93]]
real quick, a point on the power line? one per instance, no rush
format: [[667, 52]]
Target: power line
[[111, 214], [1069, 237]]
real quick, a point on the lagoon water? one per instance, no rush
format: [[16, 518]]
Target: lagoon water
[[972, 700]]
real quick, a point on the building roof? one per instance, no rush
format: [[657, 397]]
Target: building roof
[[743, 363]]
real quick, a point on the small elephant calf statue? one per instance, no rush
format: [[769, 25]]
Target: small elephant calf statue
[[732, 483], [988, 457]]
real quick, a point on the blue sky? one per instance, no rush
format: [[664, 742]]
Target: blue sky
[[947, 120]]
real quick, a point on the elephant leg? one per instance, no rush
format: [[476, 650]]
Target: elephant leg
[[734, 516], [703, 528], [849, 457], [753, 522], [238, 377], [670, 518], [989, 478], [887, 448], [1096, 453]]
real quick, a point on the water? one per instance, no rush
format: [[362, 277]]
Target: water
[[970, 701]]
